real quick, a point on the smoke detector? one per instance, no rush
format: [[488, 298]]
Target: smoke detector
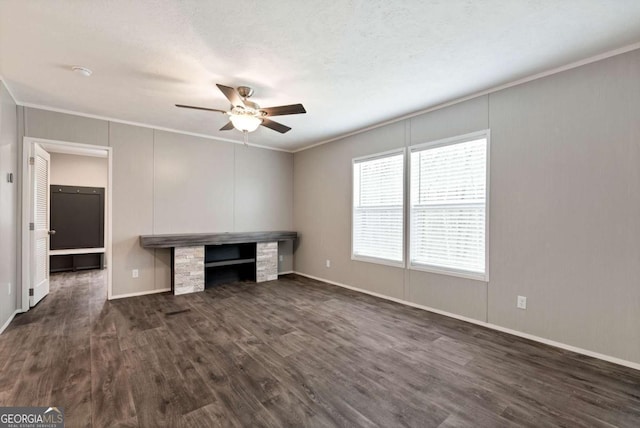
[[86, 72]]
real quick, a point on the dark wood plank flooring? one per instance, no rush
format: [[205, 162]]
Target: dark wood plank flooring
[[292, 352]]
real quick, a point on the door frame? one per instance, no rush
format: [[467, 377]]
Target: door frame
[[55, 146]]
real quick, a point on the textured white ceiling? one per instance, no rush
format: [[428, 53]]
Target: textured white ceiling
[[351, 63]]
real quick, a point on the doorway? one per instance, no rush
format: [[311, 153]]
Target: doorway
[[89, 162]]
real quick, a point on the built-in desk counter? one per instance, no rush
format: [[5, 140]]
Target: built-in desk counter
[[199, 260]]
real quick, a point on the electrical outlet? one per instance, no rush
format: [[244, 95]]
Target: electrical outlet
[[281, 258], [134, 273], [328, 263], [522, 302], [9, 288]]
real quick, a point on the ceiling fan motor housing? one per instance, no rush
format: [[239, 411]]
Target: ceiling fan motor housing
[[245, 91]]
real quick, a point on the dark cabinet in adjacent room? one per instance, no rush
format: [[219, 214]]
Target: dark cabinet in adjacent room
[[77, 217]]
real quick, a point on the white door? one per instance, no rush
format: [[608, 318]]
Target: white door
[[39, 225]]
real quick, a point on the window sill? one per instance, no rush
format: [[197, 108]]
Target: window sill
[[378, 261], [484, 277]]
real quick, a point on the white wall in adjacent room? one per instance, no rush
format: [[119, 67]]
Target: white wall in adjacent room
[[74, 170]]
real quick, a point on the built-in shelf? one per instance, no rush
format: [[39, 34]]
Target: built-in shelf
[[229, 262], [227, 258], [75, 262]]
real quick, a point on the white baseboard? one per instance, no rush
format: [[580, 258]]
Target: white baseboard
[[139, 293], [286, 273], [549, 342], [6, 324]]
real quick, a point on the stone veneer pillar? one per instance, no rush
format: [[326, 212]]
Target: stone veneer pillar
[[266, 261], [188, 269]]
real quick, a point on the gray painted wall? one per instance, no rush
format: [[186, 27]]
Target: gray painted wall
[[564, 208], [8, 206], [133, 183], [166, 182], [322, 213], [65, 127]]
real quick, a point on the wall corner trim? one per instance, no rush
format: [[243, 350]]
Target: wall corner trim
[[139, 293], [4, 83], [528, 336], [6, 324]]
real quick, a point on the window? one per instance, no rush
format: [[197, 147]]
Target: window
[[378, 209], [448, 206]]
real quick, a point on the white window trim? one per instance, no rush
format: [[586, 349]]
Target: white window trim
[[437, 269], [375, 260]]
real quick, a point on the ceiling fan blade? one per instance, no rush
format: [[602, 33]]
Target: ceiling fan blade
[[232, 95], [275, 125], [283, 110], [201, 108], [227, 127]]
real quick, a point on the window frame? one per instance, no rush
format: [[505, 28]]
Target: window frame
[[486, 133], [368, 259]]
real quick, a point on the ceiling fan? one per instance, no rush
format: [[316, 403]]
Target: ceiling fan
[[246, 116]]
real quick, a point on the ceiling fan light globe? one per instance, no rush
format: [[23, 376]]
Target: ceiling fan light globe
[[245, 123]]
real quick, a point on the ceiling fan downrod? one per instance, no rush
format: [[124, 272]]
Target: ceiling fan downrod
[[245, 91]]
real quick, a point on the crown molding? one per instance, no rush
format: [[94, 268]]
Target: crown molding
[[491, 90], [556, 70], [146, 125]]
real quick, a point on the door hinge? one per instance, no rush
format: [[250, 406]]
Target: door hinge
[[31, 292], [32, 226], [32, 160]]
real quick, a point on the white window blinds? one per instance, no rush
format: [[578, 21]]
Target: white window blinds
[[378, 201], [448, 206]]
